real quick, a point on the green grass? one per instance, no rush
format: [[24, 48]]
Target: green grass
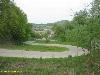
[[82, 65], [55, 42], [34, 48], [61, 66]]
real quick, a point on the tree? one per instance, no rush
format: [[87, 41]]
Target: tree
[[61, 29], [46, 35], [13, 23]]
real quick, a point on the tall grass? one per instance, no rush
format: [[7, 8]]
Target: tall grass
[[53, 66]]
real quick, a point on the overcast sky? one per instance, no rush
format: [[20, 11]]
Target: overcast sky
[[48, 11]]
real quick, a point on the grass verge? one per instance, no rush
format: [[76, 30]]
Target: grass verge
[[34, 48], [55, 42]]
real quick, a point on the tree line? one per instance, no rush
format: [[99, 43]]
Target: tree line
[[83, 30], [14, 26]]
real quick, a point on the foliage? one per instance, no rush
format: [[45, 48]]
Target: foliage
[[84, 29], [13, 23], [46, 35], [60, 30], [86, 34]]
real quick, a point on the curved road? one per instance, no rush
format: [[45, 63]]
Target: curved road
[[73, 51]]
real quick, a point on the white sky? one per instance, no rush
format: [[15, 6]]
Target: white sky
[[48, 11]]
